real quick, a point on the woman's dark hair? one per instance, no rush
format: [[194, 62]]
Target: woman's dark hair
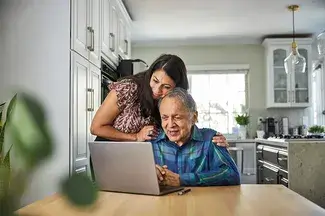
[[174, 68]]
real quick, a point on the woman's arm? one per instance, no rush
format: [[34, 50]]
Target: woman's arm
[[103, 120]]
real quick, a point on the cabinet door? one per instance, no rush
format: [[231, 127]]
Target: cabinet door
[[94, 19], [113, 32], [127, 43], [105, 7], [300, 81], [80, 31], [280, 80], [121, 36], [79, 113], [95, 86]]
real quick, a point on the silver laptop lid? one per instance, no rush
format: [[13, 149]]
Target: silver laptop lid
[[124, 167]]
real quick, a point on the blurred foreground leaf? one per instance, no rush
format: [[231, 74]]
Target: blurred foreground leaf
[[80, 190], [28, 129]]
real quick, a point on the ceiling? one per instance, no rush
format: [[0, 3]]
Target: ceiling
[[246, 21]]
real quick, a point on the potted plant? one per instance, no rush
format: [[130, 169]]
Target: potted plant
[[316, 130], [242, 121], [24, 121]]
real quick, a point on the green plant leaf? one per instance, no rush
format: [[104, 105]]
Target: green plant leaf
[[2, 138], [4, 180], [11, 106], [28, 130], [8, 114], [80, 190]]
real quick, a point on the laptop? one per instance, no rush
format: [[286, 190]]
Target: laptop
[[127, 167]]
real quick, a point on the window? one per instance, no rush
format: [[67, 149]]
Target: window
[[318, 93], [220, 96]]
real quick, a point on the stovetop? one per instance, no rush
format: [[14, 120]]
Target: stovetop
[[281, 136], [284, 138]]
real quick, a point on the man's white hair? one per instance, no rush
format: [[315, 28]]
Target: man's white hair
[[183, 96]]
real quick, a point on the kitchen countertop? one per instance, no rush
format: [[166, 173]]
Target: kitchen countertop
[[243, 200], [279, 143], [241, 141]]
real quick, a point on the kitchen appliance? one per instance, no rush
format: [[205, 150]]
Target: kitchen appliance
[[272, 166], [270, 127], [108, 75], [129, 67], [284, 125]]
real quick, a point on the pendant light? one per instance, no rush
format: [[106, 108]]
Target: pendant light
[[294, 62]]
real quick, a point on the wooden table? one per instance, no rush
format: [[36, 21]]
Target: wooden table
[[248, 200]]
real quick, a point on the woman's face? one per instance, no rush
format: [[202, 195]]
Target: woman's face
[[160, 84]]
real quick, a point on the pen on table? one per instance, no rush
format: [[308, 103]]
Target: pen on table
[[184, 191]]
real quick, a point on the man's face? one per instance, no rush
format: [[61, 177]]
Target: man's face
[[176, 120]]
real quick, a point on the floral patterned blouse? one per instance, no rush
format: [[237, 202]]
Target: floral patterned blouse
[[130, 119]]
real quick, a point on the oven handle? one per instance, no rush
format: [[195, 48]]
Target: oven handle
[[269, 179], [285, 180], [274, 169]]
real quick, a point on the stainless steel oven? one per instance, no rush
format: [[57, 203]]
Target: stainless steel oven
[[108, 75], [272, 165]]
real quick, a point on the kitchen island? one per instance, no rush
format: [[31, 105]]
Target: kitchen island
[[243, 200], [297, 164]]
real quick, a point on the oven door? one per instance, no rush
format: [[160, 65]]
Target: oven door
[[105, 82]]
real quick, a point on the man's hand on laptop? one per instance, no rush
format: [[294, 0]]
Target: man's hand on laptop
[[167, 177], [160, 173]]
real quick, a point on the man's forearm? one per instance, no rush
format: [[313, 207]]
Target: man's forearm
[[223, 176]]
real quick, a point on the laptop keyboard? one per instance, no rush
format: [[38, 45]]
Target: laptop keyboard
[[165, 187]]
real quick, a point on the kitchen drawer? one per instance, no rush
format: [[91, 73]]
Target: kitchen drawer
[[270, 174], [270, 154], [283, 159], [284, 181], [283, 177]]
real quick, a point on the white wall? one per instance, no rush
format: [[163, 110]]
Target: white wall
[[228, 54], [34, 42]]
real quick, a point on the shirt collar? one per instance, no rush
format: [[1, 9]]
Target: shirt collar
[[196, 135]]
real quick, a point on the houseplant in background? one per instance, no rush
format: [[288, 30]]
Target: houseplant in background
[[242, 121], [26, 140], [316, 130]]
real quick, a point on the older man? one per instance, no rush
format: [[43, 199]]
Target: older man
[[185, 155]]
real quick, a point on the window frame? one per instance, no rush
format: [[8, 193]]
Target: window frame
[[221, 69], [319, 94]]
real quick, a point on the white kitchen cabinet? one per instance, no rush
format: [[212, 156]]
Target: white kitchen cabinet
[[282, 89], [85, 100], [128, 42], [95, 34], [109, 30], [85, 29], [124, 33], [115, 31]]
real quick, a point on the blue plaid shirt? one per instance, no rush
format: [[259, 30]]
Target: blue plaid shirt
[[199, 162]]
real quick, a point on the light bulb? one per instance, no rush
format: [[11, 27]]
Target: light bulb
[[295, 62]]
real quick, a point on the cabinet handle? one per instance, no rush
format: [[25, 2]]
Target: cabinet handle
[[282, 159], [93, 99], [112, 42], [93, 39], [89, 30], [269, 179], [89, 106], [271, 168], [126, 42], [293, 96], [285, 180]]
